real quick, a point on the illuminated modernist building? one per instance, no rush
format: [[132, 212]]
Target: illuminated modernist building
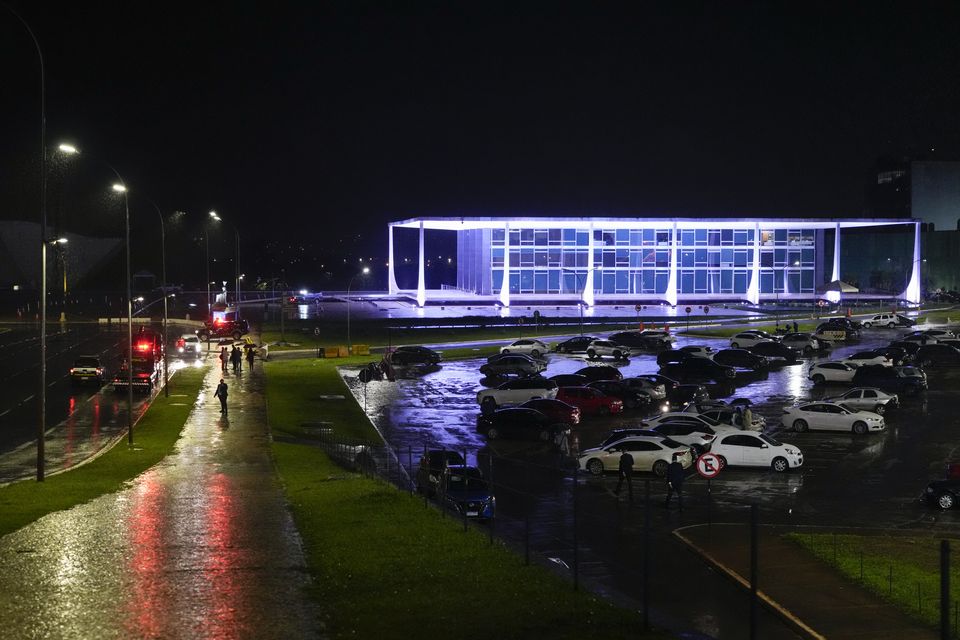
[[607, 260]]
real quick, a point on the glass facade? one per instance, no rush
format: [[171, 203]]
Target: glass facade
[[556, 260]]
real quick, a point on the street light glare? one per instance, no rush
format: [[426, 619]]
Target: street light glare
[[366, 270], [213, 214], [68, 148], [61, 241], [119, 188]]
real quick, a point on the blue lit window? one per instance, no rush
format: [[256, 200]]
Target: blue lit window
[[700, 256], [514, 282], [713, 258], [553, 257], [700, 281], [662, 279], [609, 259], [569, 259], [778, 280], [739, 281], [726, 257], [540, 237], [526, 281], [583, 238], [649, 257], [686, 259], [779, 257], [582, 257], [766, 282], [636, 238], [740, 237], [648, 283], [663, 258], [540, 258], [793, 258], [740, 258], [649, 236], [714, 280], [766, 258], [623, 257], [806, 281], [572, 282], [794, 278], [554, 282], [687, 238], [726, 237], [526, 257], [555, 236], [540, 282], [780, 236], [726, 281], [623, 236], [526, 236], [496, 237], [808, 257], [713, 237], [609, 282], [686, 282], [515, 238], [636, 257], [496, 259], [623, 281], [569, 236], [497, 280], [514, 257], [701, 236]]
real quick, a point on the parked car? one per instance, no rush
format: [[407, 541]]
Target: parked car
[[576, 344], [838, 329], [756, 450], [656, 378], [555, 409], [684, 393], [909, 347], [516, 392], [861, 358], [867, 399], [943, 493], [693, 434], [519, 365], [656, 390], [672, 356], [729, 415], [749, 338], [522, 424], [830, 416], [599, 348], [821, 372], [188, 344], [648, 453], [631, 397], [699, 350], [223, 328], [937, 355], [570, 380], [432, 464], [772, 350], [889, 320], [741, 358], [928, 336], [463, 489], [906, 380], [589, 401], [804, 343], [852, 326], [601, 372], [697, 368], [86, 369], [615, 435], [685, 417], [898, 355], [646, 340], [405, 356], [526, 346]]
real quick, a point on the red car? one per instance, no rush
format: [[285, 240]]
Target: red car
[[556, 411], [589, 400]]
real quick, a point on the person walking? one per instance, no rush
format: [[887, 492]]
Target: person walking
[[747, 418], [221, 393], [626, 473], [235, 359], [675, 478], [224, 357], [796, 327], [250, 354]]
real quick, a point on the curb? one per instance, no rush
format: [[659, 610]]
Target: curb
[[788, 616]]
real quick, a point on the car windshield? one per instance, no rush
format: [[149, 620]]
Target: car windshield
[[909, 371], [848, 408], [770, 441], [470, 482], [673, 444], [86, 362], [710, 421]]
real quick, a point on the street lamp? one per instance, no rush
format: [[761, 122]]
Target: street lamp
[[206, 241], [121, 188], [163, 290], [365, 271]]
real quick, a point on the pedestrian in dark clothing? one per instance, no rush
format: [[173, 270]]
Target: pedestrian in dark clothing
[[235, 359], [675, 478], [796, 327], [250, 357], [221, 393], [626, 473], [224, 357]]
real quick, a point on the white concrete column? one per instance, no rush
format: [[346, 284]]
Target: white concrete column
[[753, 290], [912, 292], [422, 279], [587, 296], [834, 296], [671, 294], [392, 287], [505, 285]]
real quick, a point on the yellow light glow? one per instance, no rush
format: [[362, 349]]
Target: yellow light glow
[[68, 148], [119, 188]]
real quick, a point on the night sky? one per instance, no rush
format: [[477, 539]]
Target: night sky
[[340, 116]]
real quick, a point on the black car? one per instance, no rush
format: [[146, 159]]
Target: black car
[[463, 489], [570, 380], [906, 380], [697, 368], [432, 464], [770, 350], [235, 329], [741, 358], [851, 328], [524, 424], [632, 398], [577, 344], [937, 355], [512, 364], [896, 355], [681, 394], [910, 347], [943, 493], [646, 340], [656, 378], [414, 355], [672, 356], [602, 372]]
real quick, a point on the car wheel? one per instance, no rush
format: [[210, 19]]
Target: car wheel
[[879, 409], [722, 461], [800, 426], [595, 467], [505, 351], [535, 353], [780, 465], [819, 379], [630, 403], [488, 405], [660, 468], [237, 335], [735, 345], [866, 325], [492, 433], [807, 350], [545, 435], [603, 410], [946, 501], [591, 354], [892, 325], [618, 355], [860, 427]]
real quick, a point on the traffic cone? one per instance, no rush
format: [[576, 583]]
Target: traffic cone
[[848, 312], [641, 325], [666, 328]]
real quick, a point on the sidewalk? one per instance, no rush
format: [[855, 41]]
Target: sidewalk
[[812, 597], [200, 546]]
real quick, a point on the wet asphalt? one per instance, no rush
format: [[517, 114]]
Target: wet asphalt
[[846, 481]]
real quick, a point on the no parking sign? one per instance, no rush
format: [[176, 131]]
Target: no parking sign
[[708, 465]]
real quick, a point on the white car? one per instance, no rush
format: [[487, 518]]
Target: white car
[[881, 320], [687, 418], [516, 392], [695, 435], [746, 339], [599, 348], [756, 450], [649, 454], [928, 336], [526, 346], [804, 343], [867, 399], [188, 344], [862, 358], [730, 416], [830, 416], [821, 372]]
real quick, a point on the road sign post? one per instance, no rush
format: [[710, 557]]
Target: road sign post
[[708, 466], [688, 310]]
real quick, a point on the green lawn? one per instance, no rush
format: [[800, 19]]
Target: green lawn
[[385, 566], [154, 436], [728, 332], [912, 562]]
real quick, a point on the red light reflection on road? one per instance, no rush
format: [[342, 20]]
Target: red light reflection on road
[[148, 593], [224, 556]]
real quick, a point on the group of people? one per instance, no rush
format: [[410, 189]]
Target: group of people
[[675, 477], [235, 358]]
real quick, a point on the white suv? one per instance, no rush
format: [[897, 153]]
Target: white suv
[[516, 391], [881, 320], [599, 348]]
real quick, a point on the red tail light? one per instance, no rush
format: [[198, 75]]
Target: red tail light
[[72, 370], [143, 346]]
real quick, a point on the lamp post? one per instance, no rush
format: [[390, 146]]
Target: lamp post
[[580, 287], [163, 289], [365, 271], [121, 187], [236, 252]]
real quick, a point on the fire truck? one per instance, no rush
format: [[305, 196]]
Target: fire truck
[[147, 362]]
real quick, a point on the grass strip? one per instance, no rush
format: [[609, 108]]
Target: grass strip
[[902, 570], [154, 436], [729, 332], [384, 566]]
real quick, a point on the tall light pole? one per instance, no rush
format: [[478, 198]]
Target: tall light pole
[[163, 289], [236, 254], [121, 187], [365, 271], [206, 239]]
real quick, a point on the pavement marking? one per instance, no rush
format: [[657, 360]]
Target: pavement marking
[[770, 602]]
